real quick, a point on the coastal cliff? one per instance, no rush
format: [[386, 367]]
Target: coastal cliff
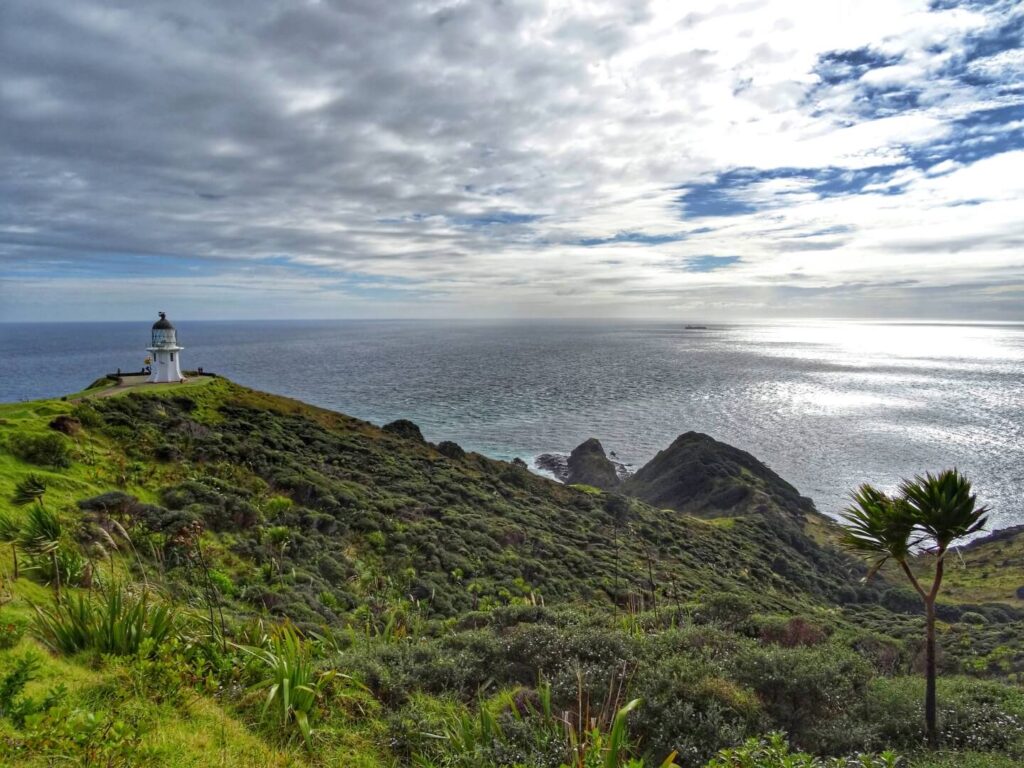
[[428, 575]]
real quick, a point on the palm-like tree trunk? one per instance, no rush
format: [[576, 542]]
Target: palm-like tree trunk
[[930, 715], [930, 671]]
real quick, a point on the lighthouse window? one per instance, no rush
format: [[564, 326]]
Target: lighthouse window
[[172, 357]]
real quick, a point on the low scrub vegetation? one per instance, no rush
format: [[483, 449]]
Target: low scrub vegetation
[[773, 752], [227, 578], [49, 449]]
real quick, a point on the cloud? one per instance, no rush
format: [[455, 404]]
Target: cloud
[[341, 158]]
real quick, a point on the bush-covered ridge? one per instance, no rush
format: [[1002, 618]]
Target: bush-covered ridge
[[452, 534], [439, 599]]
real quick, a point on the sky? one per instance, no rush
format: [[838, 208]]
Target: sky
[[496, 158]]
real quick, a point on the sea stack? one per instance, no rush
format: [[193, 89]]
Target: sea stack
[[588, 465]]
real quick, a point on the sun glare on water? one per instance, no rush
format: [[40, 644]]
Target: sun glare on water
[[864, 344]]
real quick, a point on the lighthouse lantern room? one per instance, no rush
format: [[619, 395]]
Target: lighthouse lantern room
[[166, 365]]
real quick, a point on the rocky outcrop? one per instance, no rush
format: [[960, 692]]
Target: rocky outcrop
[[555, 464], [404, 428], [700, 475], [588, 465], [451, 449]]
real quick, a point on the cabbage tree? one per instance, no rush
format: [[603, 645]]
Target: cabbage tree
[[923, 520]]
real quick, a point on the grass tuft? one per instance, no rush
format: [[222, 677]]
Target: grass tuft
[[116, 623]]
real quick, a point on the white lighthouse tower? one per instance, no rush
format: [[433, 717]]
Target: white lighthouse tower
[[166, 365]]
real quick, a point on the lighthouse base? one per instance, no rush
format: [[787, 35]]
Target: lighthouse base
[[166, 366]]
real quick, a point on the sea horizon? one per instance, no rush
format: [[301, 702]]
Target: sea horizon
[[516, 320], [826, 403]]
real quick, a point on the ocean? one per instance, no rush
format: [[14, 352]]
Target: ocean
[[828, 405]]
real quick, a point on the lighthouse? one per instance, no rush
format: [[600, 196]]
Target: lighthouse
[[166, 365]]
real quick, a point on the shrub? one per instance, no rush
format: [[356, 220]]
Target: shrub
[[568, 658], [520, 728], [901, 600], [80, 737], [116, 623], [166, 452], [801, 688], [222, 582], [462, 740], [790, 632], [973, 714], [690, 709], [982, 716], [772, 751], [532, 736], [726, 608], [11, 633], [64, 566], [885, 654], [293, 686], [972, 617], [414, 728], [13, 703], [111, 502], [13, 683], [87, 415], [278, 505], [48, 450], [221, 506], [617, 506]]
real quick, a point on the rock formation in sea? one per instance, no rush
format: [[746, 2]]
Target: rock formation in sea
[[555, 464], [588, 465], [700, 475]]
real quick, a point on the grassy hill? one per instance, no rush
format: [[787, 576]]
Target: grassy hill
[[426, 592]]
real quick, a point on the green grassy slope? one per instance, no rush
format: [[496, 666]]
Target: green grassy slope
[[437, 580], [991, 570]]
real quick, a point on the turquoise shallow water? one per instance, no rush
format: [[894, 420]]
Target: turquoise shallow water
[[828, 405]]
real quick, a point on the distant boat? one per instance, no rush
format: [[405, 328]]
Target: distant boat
[[696, 327]]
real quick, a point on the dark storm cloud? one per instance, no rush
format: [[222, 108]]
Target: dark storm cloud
[[279, 118]]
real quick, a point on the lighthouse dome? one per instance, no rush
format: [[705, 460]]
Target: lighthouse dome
[[164, 334], [163, 324]]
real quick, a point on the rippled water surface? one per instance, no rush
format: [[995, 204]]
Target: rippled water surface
[[827, 405]]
